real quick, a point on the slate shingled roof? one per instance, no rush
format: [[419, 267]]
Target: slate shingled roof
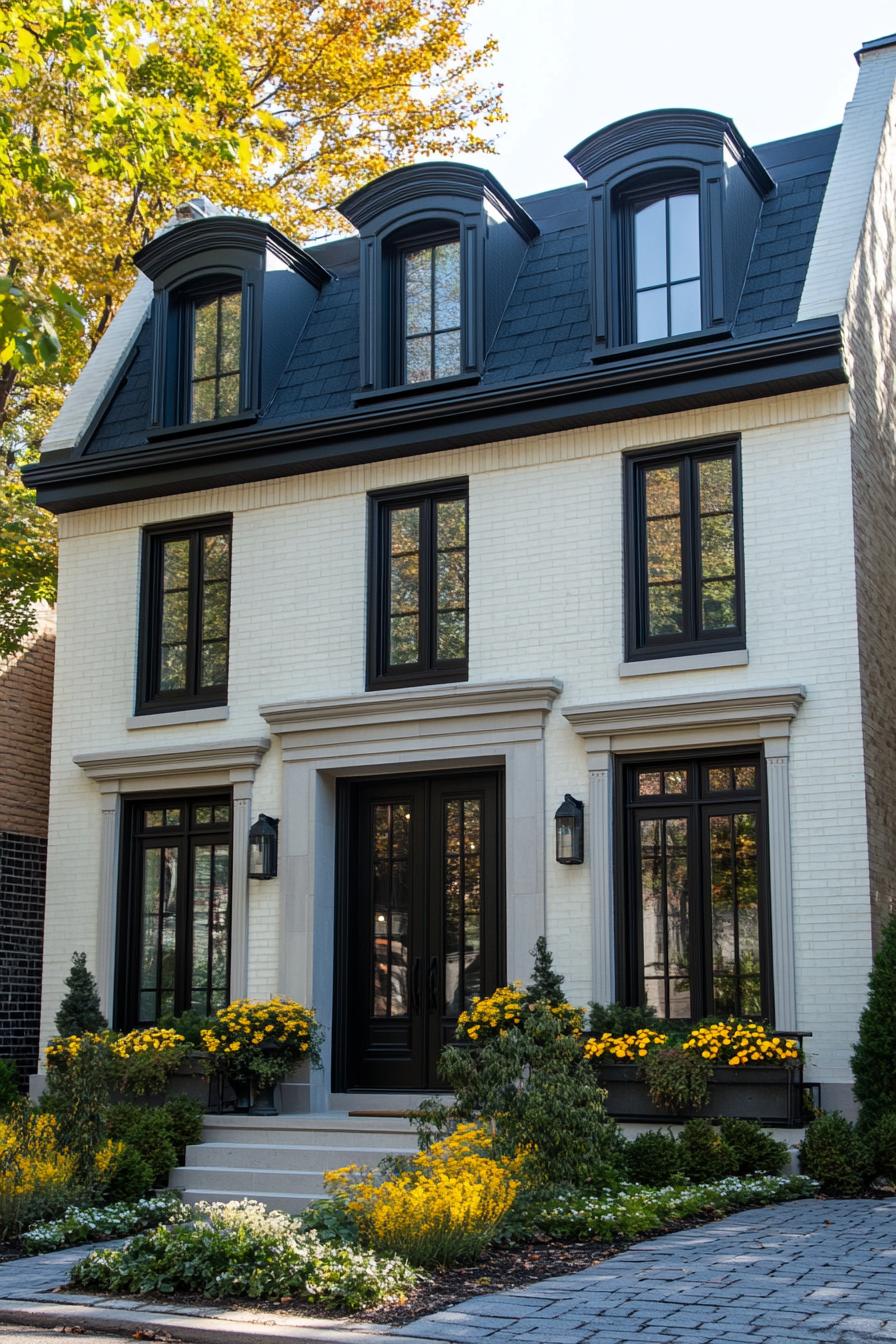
[[545, 326]]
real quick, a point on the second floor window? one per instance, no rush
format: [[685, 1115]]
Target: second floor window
[[216, 332], [184, 618], [684, 591], [667, 266], [418, 587], [429, 308]]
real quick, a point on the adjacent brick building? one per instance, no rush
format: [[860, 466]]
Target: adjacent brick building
[[26, 709]]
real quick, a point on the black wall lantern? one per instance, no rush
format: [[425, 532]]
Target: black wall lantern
[[569, 820], [263, 848]]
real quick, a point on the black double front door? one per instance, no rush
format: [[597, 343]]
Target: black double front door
[[421, 926]]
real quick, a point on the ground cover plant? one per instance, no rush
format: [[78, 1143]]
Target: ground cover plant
[[78, 1225], [243, 1249]]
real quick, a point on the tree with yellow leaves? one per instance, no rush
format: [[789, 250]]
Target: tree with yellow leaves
[[113, 111]]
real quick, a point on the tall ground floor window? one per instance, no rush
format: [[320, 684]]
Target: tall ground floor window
[[693, 919], [174, 925]]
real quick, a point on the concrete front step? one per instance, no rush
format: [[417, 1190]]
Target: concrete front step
[[317, 1130], [280, 1160], [249, 1181], [290, 1157]]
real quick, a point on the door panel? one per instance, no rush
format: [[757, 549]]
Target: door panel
[[422, 921]]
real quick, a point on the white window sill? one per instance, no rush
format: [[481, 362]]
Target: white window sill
[[207, 715], [687, 662]]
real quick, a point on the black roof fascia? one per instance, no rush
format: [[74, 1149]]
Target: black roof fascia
[[802, 357], [203, 235]]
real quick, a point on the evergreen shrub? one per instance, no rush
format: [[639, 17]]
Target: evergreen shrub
[[834, 1155], [874, 1057]]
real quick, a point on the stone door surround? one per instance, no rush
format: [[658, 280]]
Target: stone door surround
[[386, 732], [670, 723], [171, 768]]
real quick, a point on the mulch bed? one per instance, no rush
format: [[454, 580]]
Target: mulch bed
[[499, 1268]]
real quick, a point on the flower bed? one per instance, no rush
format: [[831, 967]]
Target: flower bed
[[77, 1225], [243, 1250]]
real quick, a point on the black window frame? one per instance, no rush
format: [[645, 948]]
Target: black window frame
[[431, 671], [179, 372], [697, 800], [639, 646], [630, 200], [400, 245], [134, 836], [150, 699]]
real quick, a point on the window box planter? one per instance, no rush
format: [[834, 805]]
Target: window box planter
[[189, 1079], [771, 1094]]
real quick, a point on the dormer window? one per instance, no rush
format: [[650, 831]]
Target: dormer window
[[440, 247], [666, 247], [674, 197], [226, 292], [430, 311], [215, 339]]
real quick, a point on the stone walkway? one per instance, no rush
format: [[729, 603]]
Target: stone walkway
[[814, 1271]]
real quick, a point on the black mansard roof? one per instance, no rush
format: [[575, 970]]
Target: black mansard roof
[[537, 374]]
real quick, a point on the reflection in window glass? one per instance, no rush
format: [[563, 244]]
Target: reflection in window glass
[[665, 915], [462, 845], [215, 376], [404, 586], [667, 267], [181, 910], [431, 303], [686, 527], [391, 825]]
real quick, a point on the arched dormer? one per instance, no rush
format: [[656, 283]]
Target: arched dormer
[[674, 200], [226, 290], [440, 247]]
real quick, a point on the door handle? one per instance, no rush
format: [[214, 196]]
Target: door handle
[[417, 985], [434, 984]]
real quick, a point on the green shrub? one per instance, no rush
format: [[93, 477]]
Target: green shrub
[[546, 985], [533, 1086], [619, 1020], [703, 1153], [756, 1151], [129, 1177], [677, 1080], [146, 1131], [874, 1057], [880, 1142], [246, 1250], [833, 1154], [185, 1119], [190, 1025], [9, 1085], [652, 1159], [80, 1009]]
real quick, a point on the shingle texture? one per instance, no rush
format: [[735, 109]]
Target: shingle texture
[[545, 327]]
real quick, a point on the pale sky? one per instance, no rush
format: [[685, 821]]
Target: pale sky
[[776, 67]]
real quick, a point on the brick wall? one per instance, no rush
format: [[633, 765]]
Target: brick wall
[[26, 702], [23, 866], [26, 706], [870, 342], [546, 600]]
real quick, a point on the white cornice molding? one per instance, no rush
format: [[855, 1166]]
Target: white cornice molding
[[719, 717], [237, 757], [414, 722]]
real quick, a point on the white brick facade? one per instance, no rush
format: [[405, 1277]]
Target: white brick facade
[[545, 601]]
